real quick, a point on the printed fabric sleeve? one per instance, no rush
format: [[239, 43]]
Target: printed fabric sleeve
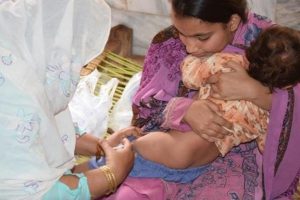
[[159, 83]]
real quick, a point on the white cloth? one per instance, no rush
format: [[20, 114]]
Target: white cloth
[[263, 7], [43, 45], [121, 114]]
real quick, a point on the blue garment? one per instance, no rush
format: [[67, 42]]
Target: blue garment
[[147, 169], [61, 191]]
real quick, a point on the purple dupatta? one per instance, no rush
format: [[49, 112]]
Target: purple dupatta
[[281, 172]]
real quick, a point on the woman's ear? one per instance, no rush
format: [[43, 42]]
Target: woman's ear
[[234, 22]]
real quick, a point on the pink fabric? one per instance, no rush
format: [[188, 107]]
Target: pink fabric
[[237, 175], [173, 120], [213, 186], [140, 189]]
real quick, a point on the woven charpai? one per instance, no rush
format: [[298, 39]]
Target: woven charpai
[[115, 66], [112, 65]]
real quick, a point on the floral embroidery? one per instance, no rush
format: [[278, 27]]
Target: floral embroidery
[[261, 18], [286, 129], [32, 186], [251, 33], [173, 51], [233, 196], [7, 60], [64, 79], [284, 140], [67, 81], [65, 139], [28, 123], [293, 188], [155, 118]]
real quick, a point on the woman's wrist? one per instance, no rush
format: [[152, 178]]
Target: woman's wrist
[[261, 96], [87, 145], [110, 178]]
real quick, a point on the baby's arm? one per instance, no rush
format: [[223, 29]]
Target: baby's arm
[[175, 149]]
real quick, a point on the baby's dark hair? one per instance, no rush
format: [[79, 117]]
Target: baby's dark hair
[[214, 11], [275, 57]]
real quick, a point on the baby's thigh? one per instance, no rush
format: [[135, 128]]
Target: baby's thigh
[[194, 148]]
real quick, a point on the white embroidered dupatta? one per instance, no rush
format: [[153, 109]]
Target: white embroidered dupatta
[[43, 45]]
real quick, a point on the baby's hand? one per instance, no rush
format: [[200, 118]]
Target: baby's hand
[[117, 137]]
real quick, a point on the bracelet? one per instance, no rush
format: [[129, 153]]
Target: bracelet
[[110, 177]]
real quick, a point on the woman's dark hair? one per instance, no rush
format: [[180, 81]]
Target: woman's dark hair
[[275, 57], [214, 11]]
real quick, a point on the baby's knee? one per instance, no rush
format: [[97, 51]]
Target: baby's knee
[[193, 151], [183, 156]]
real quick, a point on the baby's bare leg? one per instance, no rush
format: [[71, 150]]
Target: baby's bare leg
[[176, 149]]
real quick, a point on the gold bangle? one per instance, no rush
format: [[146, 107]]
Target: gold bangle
[[110, 177]]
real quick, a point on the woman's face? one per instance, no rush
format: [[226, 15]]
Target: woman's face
[[202, 38]]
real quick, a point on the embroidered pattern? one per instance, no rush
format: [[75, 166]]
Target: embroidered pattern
[[174, 52], [28, 124], [155, 118], [7, 60], [286, 129], [32, 186], [65, 138], [251, 34]]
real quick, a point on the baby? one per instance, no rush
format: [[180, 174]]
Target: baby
[[274, 61]]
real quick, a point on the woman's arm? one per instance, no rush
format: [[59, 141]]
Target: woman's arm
[[238, 85], [86, 145], [202, 116], [118, 164]]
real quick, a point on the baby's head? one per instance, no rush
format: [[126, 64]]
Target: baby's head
[[275, 57]]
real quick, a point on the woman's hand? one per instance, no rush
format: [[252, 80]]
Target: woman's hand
[[118, 136], [86, 145], [238, 85], [204, 119], [232, 85], [120, 160]]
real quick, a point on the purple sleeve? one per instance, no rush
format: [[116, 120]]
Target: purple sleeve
[[159, 85], [174, 113]]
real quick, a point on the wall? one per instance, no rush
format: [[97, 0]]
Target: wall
[[288, 13], [147, 17]]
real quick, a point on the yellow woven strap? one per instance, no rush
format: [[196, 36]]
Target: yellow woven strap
[[110, 177]]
